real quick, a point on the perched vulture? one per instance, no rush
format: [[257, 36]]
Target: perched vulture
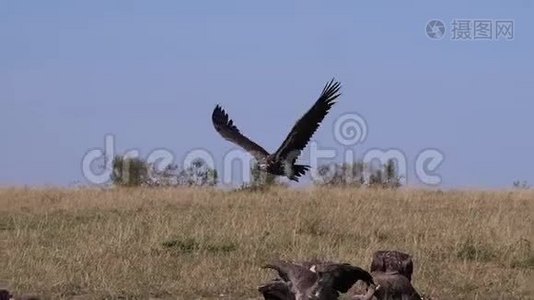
[[321, 282], [282, 161], [392, 261], [392, 272]]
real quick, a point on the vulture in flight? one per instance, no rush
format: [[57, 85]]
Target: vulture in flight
[[282, 161]]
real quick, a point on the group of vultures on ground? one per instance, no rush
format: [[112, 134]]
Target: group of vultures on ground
[[389, 278]]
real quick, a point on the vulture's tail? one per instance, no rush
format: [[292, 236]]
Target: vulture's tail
[[298, 170]]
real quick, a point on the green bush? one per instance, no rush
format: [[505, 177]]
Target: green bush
[[136, 172], [129, 171], [359, 175]]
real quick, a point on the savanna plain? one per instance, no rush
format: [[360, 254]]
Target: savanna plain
[[187, 243]]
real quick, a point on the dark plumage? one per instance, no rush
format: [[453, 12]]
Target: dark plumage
[[392, 261], [282, 161], [393, 286], [5, 294], [276, 289]]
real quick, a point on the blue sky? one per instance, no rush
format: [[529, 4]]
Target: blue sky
[[151, 72]]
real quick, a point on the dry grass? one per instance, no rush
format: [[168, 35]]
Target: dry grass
[[187, 243]]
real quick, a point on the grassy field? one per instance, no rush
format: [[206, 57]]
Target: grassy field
[[188, 243]]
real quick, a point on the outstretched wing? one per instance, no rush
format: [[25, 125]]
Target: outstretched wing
[[226, 128], [300, 277], [305, 127]]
